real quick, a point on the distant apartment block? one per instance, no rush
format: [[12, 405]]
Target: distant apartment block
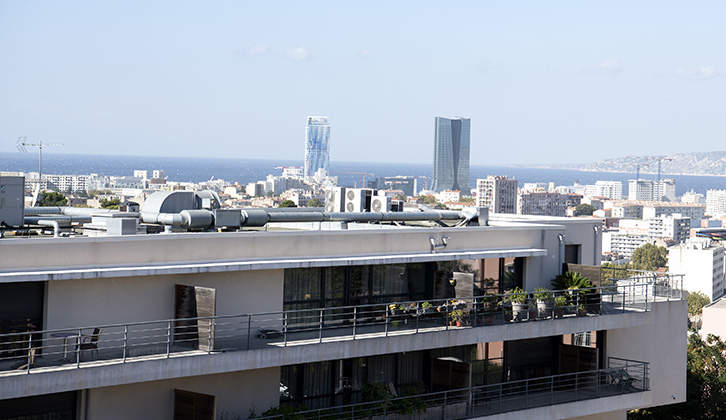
[[693, 197], [623, 243], [451, 154], [652, 190], [543, 203], [448, 196], [715, 202], [317, 145], [608, 189], [702, 263], [498, 193], [652, 209]]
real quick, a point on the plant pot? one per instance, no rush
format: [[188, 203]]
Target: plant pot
[[544, 309], [559, 312], [519, 311], [459, 323]]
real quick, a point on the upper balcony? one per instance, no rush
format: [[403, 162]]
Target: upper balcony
[[161, 349]]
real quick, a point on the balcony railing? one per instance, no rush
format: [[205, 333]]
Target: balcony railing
[[620, 377], [116, 343]]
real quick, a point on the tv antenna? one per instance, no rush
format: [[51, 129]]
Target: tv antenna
[[23, 142]]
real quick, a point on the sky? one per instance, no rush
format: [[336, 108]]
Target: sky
[[543, 82]]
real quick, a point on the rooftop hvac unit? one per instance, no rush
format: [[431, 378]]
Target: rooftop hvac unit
[[380, 204], [12, 201], [357, 200], [335, 200]]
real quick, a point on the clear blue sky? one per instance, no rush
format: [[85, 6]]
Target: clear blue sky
[[542, 81]]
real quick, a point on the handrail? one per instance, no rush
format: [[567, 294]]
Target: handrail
[[121, 341], [496, 398]]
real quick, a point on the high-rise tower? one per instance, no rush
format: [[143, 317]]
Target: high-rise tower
[[317, 145], [451, 154]]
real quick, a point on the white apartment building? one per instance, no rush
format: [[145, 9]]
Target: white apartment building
[[702, 263], [688, 210], [715, 202], [207, 325], [693, 197], [652, 190], [609, 189], [498, 193], [448, 196]]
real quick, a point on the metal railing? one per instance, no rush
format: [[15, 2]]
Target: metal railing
[[620, 377], [116, 343]]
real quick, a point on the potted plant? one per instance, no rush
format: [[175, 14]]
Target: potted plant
[[460, 317], [518, 298], [543, 297], [560, 303], [426, 307]]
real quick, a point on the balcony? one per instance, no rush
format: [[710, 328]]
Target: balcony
[[117, 344], [619, 378]]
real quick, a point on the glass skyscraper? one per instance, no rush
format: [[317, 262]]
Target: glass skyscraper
[[451, 154], [317, 145]]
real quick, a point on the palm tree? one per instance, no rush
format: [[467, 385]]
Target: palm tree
[[571, 280]]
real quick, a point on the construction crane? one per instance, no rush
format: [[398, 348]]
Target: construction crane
[[426, 180], [22, 143], [355, 184], [660, 159], [637, 169]]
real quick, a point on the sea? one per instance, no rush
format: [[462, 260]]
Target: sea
[[188, 169]]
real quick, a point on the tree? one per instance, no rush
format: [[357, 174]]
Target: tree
[[315, 202], [584, 209], [53, 199], [429, 199], [110, 204], [466, 200], [287, 203], [705, 384], [696, 302], [649, 257], [401, 197]]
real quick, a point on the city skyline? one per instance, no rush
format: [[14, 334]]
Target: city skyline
[[235, 79]]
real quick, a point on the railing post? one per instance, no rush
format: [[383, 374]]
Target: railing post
[[646, 295], [355, 319], [284, 329], [386, 322], [576, 386], [30, 351], [624, 299], [526, 393], [418, 314], [249, 330], [168, 338], [126, 338], [552, 390], [320, 326], [209, 336], [446, 394], [78, 347]]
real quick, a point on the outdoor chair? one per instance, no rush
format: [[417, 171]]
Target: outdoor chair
[[90, 342]]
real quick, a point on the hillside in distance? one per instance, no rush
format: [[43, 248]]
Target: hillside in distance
[[703, 163]]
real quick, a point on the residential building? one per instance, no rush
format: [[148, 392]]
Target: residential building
[[701, 261], [540, 203], [498, 193], [317, 146], [448, 196], [652, 190], [608, 189], [693, 197], [715, 202], [207, 325], [688, 210], [451, 154]]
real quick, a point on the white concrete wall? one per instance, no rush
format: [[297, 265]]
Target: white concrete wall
[[73, 303], [714, 321], [236, 394], [663, 345]]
